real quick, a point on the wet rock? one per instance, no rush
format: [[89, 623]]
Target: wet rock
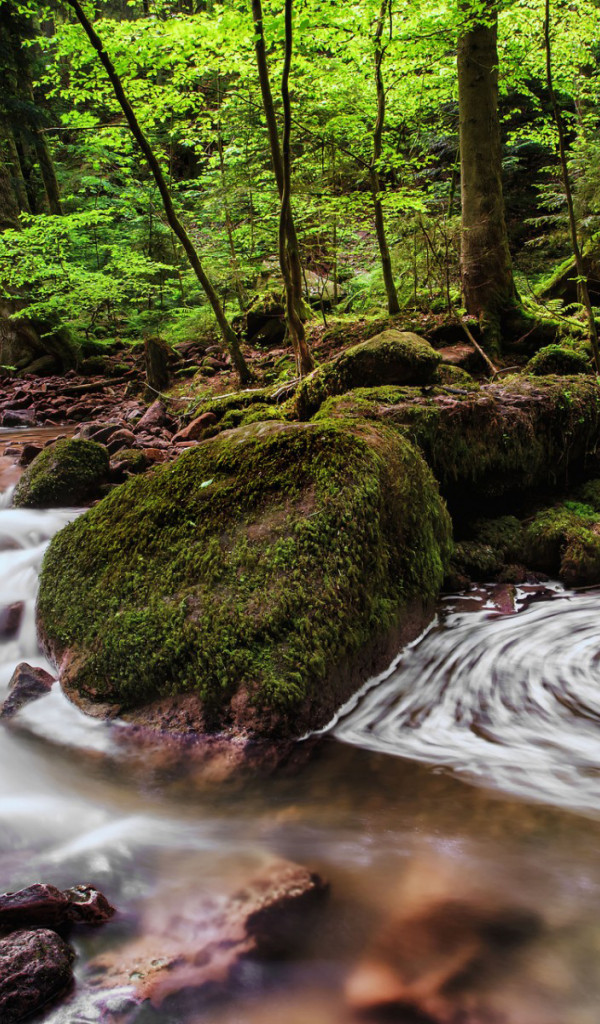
[[194, 430], [45, 906], [10, 620], [194, 949], [18, 418], [28, 453], [103, 434], [26, 685], [35, 967]]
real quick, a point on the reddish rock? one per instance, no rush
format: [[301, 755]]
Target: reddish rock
[[155, 416], [26, 685], [192, 949], [457, 355], [18, 418], [29, 452], [10, 621], [123, 438], [45, 906], [194, 430], [103, 434], [35, 967]]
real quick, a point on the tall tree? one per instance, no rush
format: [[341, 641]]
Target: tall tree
[[229, 336], [485, 262], [304, 362], [293, 248], [577, 253], [386, 260]]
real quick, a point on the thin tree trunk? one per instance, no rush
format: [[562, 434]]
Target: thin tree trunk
[[276, 155], [486, 265], [304, 360], [384, 252], [16, 171], [579, 264], [229, 336]]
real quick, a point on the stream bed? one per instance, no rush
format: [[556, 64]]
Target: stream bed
[[470, 772]]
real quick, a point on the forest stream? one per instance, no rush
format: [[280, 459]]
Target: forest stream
[[468, 774]]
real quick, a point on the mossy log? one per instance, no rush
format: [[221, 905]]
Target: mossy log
[[264, 575]]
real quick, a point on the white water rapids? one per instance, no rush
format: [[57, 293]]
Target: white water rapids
[[512, 700]]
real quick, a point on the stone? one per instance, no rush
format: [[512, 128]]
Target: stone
[[123, 438], [18, 418], [45, 906], [35, 967], [66, 474], [155, 416], [29, 452], [10, 620], [194, 430], [193, 949], [26, 685]]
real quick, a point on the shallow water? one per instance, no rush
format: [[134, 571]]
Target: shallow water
[[386, 810]]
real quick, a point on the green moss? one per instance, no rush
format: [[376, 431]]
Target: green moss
[[558, 360], [475, 560], [454, 376], [505, 535], [67, 473], [565, 541], [258, 412], [254, 563], [589, 494], [393, 357], [135, 458]]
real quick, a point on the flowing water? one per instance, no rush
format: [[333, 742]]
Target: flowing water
[[499, 692]]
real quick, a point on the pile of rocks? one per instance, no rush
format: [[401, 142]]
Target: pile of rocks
[[36, 961]]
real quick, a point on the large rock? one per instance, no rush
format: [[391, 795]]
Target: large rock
[[265, 574], [66, 474], [27, 684], [35, 967], [392, 357], [194, 948], [45, 906]]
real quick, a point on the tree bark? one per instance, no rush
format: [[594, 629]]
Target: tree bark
[[304, 360], [229, 336], [577, 253], [384, 252], [485, 263], [276, 155]]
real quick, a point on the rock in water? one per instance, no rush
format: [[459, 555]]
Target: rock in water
[[193, 949], [45, 906], [27, 684], [35, 967], [66, 474], [264, 575]]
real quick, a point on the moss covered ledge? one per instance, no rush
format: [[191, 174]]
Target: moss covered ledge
[[262, 573]]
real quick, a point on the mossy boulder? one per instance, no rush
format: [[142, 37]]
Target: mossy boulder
[[448, 375], [65, 474], [262, 572], [565, 541], [558, 360], [507, 438], [392, 357]]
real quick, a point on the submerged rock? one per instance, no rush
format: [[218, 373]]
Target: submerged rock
[[392, 357], [67, 473], [27, 684], [194, 949], [266, 573], [45, 906], [35, 967]]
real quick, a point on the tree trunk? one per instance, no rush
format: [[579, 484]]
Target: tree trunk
[[229, 336], [287, 256], [384, 252], [485, 263], [276, 156], [577, 253]]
